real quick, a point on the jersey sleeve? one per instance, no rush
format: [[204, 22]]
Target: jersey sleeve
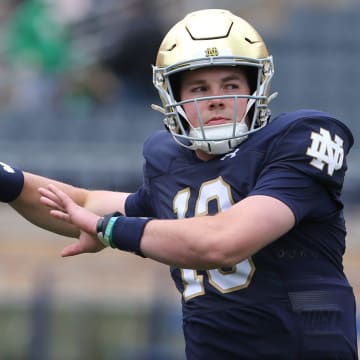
[[138, 203], [305, 167], [157, 159]]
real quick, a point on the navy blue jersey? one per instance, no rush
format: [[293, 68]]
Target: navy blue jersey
[[291, 300]]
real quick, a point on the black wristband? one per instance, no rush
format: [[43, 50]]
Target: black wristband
[[102, 225], [11, 182], [126, 233]]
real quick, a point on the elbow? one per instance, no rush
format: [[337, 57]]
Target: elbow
[[218, 252], [218, 258]]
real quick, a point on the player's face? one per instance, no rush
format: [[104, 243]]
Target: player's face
[[214, 82]]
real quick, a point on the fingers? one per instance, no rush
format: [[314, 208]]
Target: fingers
[[48, 194], [50, 203], [63, 208], [59, 194], [62, 199], [54, 197], [61, 215], [50, 199]]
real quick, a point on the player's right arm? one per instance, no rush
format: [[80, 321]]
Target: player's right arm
[[20, 190]]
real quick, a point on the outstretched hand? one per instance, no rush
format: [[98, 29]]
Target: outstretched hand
[[62, 207]]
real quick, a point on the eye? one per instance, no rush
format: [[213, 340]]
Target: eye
[[197, 89], [232, 86]]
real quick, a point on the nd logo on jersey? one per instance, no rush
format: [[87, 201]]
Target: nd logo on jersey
[[326, 151]]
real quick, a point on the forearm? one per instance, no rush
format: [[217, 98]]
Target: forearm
[[28, 205], [24, 197], [204, 242], [198, 243], [172, 242], [207, 242], [187, 243]]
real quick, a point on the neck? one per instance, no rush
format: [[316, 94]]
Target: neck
[[202, 155]]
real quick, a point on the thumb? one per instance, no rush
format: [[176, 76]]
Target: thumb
[[87, 243], [71, 250]]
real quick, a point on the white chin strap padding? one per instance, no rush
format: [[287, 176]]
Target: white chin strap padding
[[219, 139]]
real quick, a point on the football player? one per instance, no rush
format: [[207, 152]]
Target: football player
[[245, 208]]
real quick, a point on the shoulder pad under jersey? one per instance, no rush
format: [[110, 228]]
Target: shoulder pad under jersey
[[314, 143]]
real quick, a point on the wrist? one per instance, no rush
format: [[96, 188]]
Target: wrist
[[127, 232], [11, 182], [121, 232], [104, 227]]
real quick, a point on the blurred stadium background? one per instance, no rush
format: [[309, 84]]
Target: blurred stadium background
[[75, 95]]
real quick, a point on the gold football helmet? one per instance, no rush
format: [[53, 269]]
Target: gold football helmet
[[205, 38]]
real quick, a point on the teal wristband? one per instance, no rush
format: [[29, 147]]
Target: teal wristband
[[108, 231], [104, 232], [121, 232]]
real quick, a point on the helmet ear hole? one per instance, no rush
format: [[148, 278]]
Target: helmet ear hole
[[175, 83], [252, 78]]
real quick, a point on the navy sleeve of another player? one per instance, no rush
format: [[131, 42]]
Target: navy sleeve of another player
[[306, 165]]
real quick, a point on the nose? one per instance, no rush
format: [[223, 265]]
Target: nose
[[216, 103]]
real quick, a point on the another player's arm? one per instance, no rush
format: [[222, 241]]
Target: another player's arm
[[28, 204]]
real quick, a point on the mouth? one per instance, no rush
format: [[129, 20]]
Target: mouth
[[218, 120]]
